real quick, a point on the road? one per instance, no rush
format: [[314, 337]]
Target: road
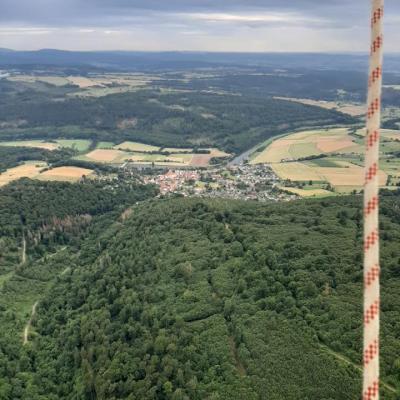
[[241, 158]]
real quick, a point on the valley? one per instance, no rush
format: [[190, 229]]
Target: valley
[[182, 232]]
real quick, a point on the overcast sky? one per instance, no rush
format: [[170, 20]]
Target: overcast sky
[[202, 25]]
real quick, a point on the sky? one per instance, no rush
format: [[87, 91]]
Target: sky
[[195, 25]]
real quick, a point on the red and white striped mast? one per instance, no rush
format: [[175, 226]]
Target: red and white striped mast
[[371, 210]]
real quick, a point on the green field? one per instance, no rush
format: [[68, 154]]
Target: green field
[[105, 145], [77, 144]]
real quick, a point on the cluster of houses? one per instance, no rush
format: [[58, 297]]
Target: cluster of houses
[[245, 182], [173, 180]]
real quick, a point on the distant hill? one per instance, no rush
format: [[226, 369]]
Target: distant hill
[[124, 60]]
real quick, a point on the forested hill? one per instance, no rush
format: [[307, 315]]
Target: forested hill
[[231, 122], [197, 299]]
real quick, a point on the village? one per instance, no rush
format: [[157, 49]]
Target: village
[[242, 182]]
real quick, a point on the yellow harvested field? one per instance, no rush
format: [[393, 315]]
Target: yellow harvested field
[[135, 146], [275, 152], [28, 170], [296, 171], [308, 193], [70, 174], [106, 155], [82, 82], [328, 145]]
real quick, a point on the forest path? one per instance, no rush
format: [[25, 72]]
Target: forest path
[[28, 325], [344, 359], [238, 363], [23, 256]]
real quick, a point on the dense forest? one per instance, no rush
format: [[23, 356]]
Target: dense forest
[[43, 226], [210, 299], [232, 122], [49, 213]]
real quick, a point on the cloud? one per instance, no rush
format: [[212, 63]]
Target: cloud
[[235, 25]]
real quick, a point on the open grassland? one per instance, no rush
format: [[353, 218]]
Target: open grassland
[[69, 174], [138, 147], [29, 169]]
